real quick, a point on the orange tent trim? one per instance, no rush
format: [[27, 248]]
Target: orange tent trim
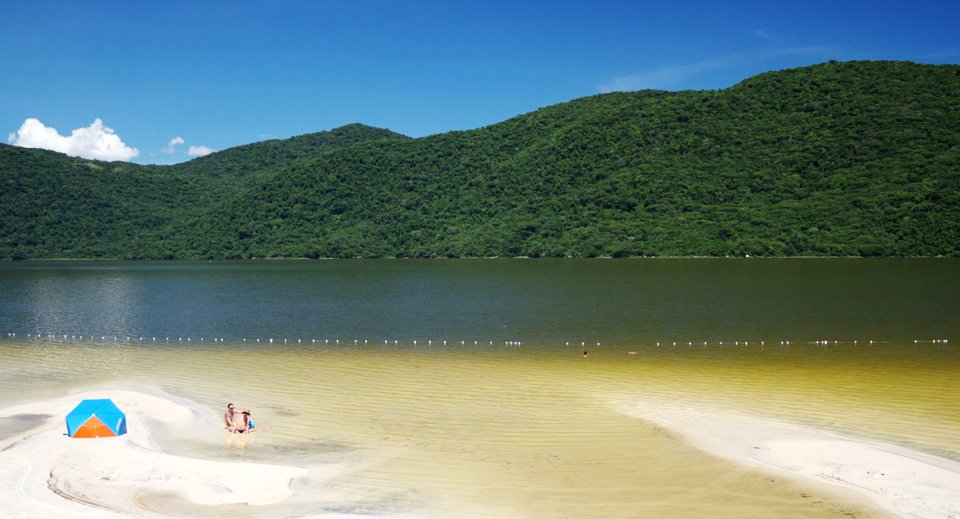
[[93, 428]]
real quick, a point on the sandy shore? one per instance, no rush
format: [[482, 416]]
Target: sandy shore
[[904, 482], [43, 473]]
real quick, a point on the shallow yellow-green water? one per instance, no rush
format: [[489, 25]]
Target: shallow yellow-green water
[[526, 432]]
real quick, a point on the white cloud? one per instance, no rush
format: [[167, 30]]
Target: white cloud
[[683, 76], [174, 142], [764, 35], [199, 151], [93, 142]]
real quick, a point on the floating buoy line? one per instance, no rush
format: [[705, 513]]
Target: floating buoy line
[[182, 339]]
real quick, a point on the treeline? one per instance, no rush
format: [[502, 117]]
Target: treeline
[[838, 159]]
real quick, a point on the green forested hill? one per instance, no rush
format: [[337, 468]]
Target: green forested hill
[[838, 159], [54, 206]]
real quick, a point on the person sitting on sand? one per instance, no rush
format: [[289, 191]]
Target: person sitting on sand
[[230, 419]]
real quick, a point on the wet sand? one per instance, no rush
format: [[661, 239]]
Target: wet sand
[[905, 482], [45, 473]]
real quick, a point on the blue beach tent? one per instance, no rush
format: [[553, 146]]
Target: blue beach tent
[[96, 419]]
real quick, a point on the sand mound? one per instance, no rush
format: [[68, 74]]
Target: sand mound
[[44, 473], [905, 482]]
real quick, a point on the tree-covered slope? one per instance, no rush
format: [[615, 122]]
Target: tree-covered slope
[[262, 159], [859, 158], [54, 206]]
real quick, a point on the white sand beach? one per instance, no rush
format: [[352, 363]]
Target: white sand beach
[[905, 482], [44, 473], [419, 461]]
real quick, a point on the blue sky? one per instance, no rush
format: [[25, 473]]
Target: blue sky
[[167, 78]]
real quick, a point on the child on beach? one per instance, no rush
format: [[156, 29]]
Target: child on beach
[[246, 424]]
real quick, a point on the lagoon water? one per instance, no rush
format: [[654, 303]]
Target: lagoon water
[[458, 388]]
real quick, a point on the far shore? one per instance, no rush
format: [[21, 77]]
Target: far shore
[[462, 258]]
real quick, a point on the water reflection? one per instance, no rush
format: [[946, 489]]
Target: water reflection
[[547, 302], [57, 302]]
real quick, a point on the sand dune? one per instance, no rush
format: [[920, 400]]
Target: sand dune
[[47, 474], [905, 482]]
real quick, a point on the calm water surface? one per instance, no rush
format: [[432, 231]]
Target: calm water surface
[[547, 302], [507, 429]]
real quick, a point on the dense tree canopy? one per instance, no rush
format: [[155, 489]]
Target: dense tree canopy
[[838, 159]]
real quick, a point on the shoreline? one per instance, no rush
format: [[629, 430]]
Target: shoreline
[[47, 474], [281, 259], [901, 481]]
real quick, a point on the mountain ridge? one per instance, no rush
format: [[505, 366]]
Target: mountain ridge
[[836, 159]]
